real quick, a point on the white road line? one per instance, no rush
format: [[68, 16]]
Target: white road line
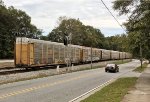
[[100, 86], [92, 90]]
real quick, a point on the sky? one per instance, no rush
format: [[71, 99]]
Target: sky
[[45, 13]]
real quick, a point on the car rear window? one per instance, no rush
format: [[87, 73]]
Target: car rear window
[[110, 65]]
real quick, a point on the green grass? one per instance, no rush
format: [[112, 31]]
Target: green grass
[[114, 92], [122, 61], [100, 66], [139, 69]]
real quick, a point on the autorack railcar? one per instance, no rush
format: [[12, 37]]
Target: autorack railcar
[[106, 54], [115, 55], [34, 52]]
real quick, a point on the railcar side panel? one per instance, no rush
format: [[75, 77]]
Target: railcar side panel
[[21, 54], [96, 54], [114, 55], [37, 53], [85, 54], [31, 54], [106, 54], [34, 52], [61, 54], [50, 53]]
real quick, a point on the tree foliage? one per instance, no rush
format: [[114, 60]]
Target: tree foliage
[[87, 35], [117, 42], [13, 23], [78, 32], [138, 24]]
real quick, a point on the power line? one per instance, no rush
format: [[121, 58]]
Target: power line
[[112, 15]]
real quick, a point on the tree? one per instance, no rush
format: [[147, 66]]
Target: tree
[[4, 38], [14, 23], [117, 42], [1, 3], [80, 34], [43, 37], [138, 24]]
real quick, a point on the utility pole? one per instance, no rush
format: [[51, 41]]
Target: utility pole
[[67, 43], [70, 50], [122, 50], [66, 48], [141, 54], [91, 58]]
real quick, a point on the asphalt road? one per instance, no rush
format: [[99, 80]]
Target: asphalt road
[[60, 88]]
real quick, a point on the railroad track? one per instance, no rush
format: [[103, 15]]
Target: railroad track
[[14, 70], [11, 71], [7, 68]]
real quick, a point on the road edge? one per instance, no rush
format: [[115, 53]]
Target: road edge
[[92, 91]]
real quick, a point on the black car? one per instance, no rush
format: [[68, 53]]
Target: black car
[[112, 68]]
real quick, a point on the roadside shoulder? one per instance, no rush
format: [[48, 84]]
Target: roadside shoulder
[[141, 88]]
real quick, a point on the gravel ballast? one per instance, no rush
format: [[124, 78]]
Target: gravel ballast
[[49, 72]]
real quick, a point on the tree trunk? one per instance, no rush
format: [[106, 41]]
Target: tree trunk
[[141, 62]]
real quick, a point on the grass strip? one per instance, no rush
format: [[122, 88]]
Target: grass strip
[[114, 92], [122, 61], [139, 69], [100, 66]]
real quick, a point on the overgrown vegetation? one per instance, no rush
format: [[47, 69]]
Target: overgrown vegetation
[[122, 61], [139, 69], [113, 92], [137, 25]]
